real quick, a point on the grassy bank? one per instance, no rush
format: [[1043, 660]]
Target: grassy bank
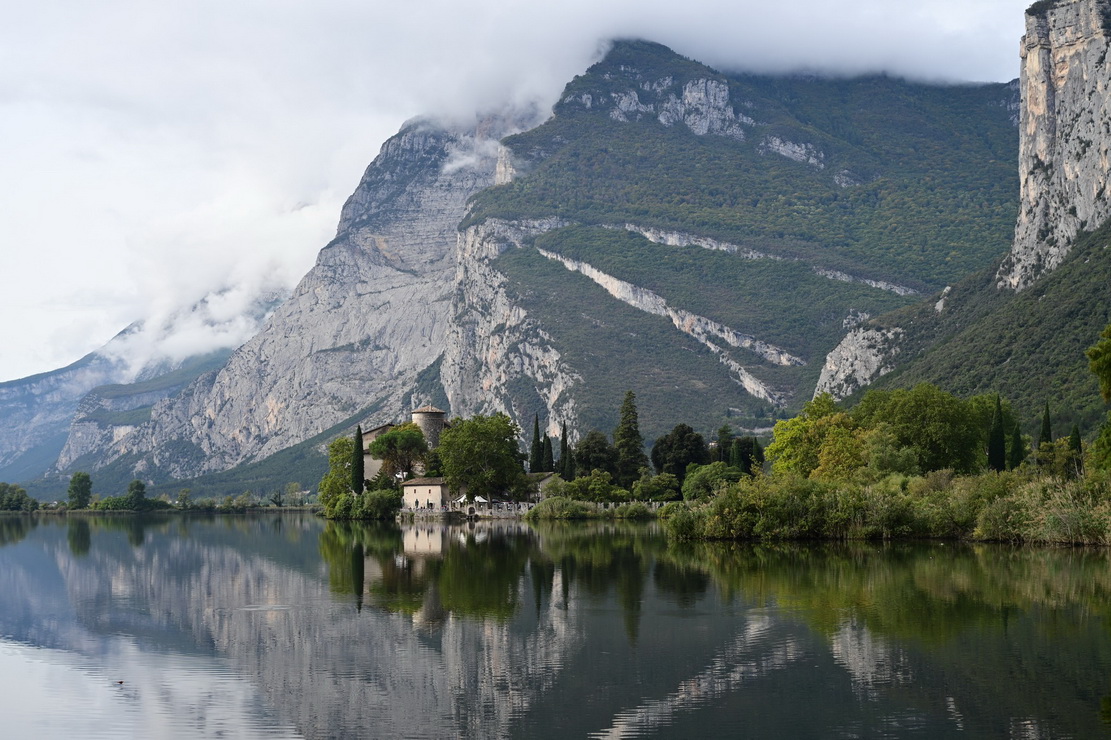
[[1019, 506]]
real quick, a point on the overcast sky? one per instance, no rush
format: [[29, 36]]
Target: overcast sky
[[153, 153]]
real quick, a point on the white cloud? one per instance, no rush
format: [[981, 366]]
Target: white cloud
[[157, 152]]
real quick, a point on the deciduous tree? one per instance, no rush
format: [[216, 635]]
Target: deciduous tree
[[480, 455], [80, 491]]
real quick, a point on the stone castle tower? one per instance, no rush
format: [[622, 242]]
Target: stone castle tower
[[431, 422]]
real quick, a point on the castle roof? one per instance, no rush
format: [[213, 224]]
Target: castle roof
[[428, 410]]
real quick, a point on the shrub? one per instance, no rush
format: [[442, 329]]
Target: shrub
[[559, 507]]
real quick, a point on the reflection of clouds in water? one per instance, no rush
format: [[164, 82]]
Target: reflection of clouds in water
[[871, 661], [163, 696], [752, 655]]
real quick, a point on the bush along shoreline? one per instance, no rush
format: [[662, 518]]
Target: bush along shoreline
[[1019, 506]]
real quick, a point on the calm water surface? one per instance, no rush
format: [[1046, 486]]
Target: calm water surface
[[287, 626]]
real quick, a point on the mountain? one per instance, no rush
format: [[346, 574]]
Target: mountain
[[704, 239], [1020, 327]]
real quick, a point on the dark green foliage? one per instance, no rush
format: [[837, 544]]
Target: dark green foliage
[[723, 452], [997, 440], [136, 494], [80, 491], [566, 458], [597, 486], [536, 452], [916, 150], [480, 455], [358, 476], [547, 461], [988, 340], [677, 449], [1016, 452], [746, 455], [662, 487], [14, 498], [1099, 362], [594, 452], [628, 443], [1042, 7], [400, 449], [938, 426], [1046, 435]]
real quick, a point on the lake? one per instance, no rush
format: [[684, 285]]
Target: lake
[[284, 625]]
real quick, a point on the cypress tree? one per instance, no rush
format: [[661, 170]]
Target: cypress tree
[[1047, 430], [1077, 447], [629, 443], [564, 454], [1017, 453], [725, 443], [997, 440], [358, 474], [536, 455], [547, 464]]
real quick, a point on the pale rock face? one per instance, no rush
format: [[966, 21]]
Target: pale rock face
[[804, 153], [703, 105], [492, 342], [1065, 141], [862, 356], [363, 323]]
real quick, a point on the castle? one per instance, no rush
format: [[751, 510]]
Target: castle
[[431, 422]]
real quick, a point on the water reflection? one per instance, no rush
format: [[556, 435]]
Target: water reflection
[[502, 630]]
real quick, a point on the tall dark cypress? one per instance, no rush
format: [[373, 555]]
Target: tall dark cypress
[[536, 455], [997, 440], [629, 443], [1047, 430], [564, 453], [547, 464], [357, 470]]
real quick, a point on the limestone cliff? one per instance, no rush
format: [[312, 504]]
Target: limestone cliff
[[1065, 141]]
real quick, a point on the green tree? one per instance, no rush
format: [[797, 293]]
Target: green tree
[[547, 463], [136, 495], [677, 449], [80, 491], [940, 428], [662, 487], [480, 455], [797, 442], [997, 440], [597, 486], [1046, 435], [358, 474], [629, 443], [1016, 453], [1076, 444], [536, 452], [566, 468], [594, 452], [703, 481], [1099, 361], [336, 483], [400, 449], [14, 498], [725, 443]]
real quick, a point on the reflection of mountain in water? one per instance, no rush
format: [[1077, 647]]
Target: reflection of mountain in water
[[502, 630]]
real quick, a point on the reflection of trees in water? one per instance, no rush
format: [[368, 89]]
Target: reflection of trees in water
[[78, 536], [14, 527]]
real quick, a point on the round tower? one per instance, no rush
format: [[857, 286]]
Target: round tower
[[431, 422]]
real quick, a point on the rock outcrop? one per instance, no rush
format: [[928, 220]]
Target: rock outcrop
[[862, 356], [1065, 139]]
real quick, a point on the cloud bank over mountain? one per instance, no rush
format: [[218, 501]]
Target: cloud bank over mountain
[[158, 156]]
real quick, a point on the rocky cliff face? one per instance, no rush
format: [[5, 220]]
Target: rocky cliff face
[[494, 348], [361, 326], [1065, 139]]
